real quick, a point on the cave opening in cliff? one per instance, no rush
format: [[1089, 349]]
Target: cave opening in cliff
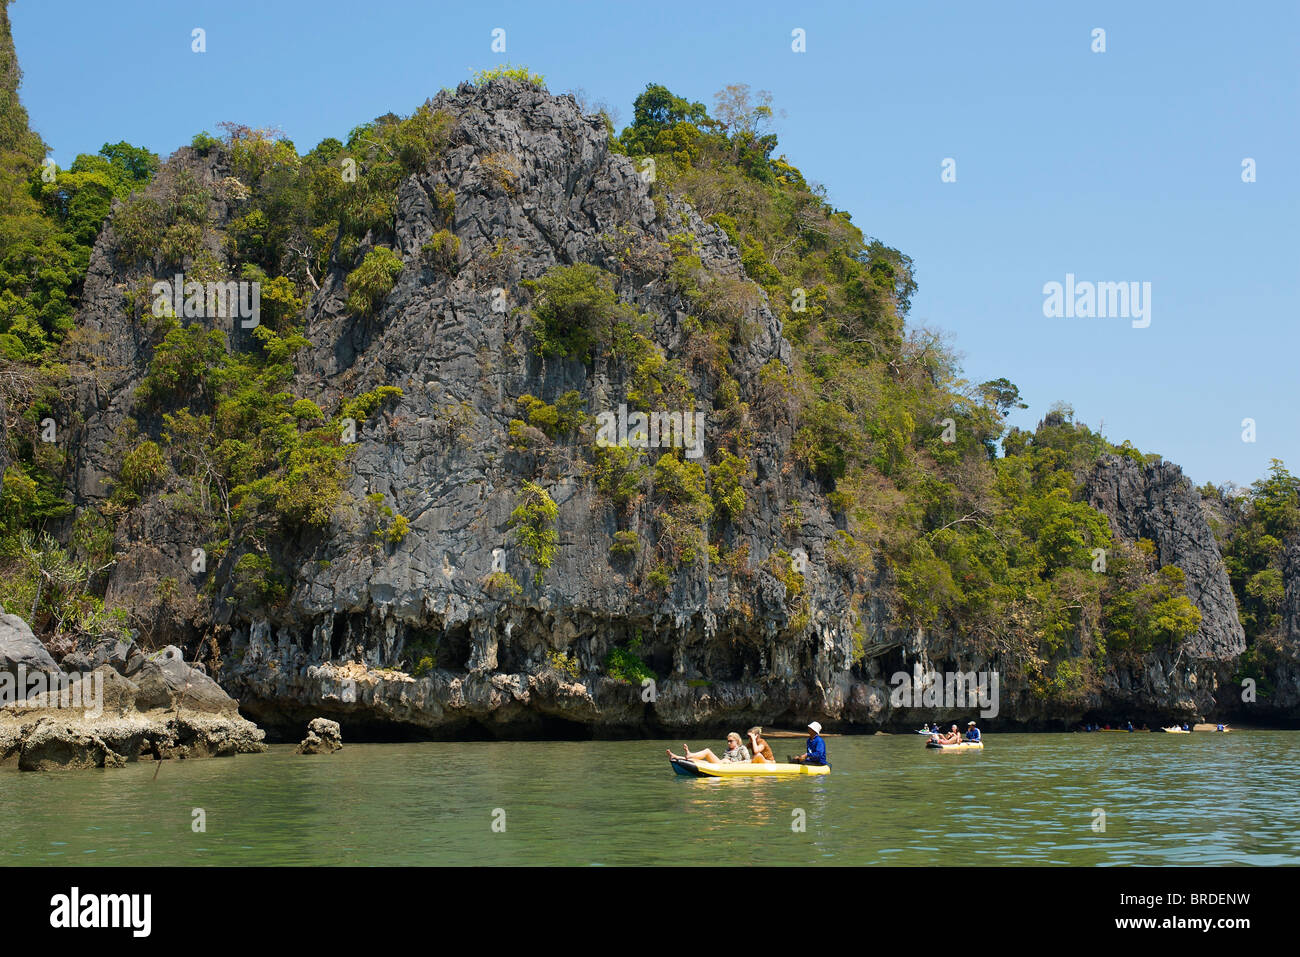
[[454, 648]]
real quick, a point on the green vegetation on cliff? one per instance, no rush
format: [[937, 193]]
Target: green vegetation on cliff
[[999, 549], [1255, 528]]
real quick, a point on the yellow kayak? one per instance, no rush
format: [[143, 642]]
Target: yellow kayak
[[964, 746], [1175, 731], [704, 769]]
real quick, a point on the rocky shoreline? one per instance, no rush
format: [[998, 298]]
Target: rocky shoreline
[[128, 707]]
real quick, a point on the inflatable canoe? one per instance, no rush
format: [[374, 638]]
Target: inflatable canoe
[[703, 769], [1175, 731], [964, 746]]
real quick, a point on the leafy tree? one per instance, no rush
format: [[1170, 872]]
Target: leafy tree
[[370, 282], [657, 112], [533, 520], [576, 311]]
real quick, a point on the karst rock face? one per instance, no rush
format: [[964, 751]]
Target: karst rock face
[[1282, 672], [1156, 502], [537, 185]]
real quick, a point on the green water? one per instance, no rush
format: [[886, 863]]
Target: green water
[[1027, 799]]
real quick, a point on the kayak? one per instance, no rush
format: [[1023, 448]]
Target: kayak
[[705, 769], [964, 746], [1175, 731]]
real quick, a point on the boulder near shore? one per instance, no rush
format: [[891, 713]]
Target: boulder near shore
[[132, 706], [323, 737]]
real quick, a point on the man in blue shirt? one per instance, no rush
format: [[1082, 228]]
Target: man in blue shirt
[[972, 732], [816, 747]]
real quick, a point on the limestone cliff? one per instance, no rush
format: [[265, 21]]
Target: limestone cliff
[[537, 185]]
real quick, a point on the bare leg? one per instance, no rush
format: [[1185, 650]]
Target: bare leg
[[706, 755]]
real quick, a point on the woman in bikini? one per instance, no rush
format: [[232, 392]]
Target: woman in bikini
[[736, 752], [762, 750]]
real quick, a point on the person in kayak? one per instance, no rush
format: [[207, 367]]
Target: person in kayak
[[952, 737], [972, 732], [762, 750], [816, 753], [736, 752]]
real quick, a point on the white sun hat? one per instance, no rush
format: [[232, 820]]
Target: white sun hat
[[816, 727]]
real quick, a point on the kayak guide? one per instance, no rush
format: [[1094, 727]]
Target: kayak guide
[[816, 749]]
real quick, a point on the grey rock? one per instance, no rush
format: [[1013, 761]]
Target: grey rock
[[323, 737], [11, 741], [118, 693], [77, 661], [166, 681], [439, 455], [18, 646], [1282, 652], [112, 727], [1157, 502], [61, 744], [121, 655], [71, 745]]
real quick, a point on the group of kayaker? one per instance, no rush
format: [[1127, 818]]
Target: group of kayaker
[[759, 751], [1128, 726], [953, 736]]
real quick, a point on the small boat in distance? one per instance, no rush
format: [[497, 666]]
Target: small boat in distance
[[962, 746]]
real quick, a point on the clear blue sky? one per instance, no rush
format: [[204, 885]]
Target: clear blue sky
[[1115, 166]]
